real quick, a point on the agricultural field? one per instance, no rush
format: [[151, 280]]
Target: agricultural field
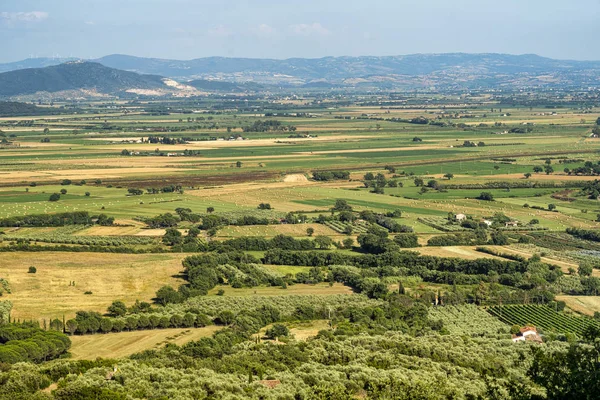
[[119, 345], [227, 228], [543, 317], [65, 278]]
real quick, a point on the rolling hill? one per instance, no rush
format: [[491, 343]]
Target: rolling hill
[[437, 71], [76, 76]]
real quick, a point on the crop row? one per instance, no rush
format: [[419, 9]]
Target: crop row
[[340, 227], [542, 317], [441, 224], [64, 235]]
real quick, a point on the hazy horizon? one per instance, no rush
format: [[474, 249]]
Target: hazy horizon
[[187, 29]]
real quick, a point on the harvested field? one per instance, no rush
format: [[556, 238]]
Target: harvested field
[[320, 288], [50, 293], [123, 344], [587, 305], [295, 178], [466, 252]]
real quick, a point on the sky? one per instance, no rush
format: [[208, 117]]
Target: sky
[[187, 29]]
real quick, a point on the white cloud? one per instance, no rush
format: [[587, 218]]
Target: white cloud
[[220, 31], [310, 29], [265, 30], [16, 17]]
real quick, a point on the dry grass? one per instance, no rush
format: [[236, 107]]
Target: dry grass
[[307, 330], [295, 178], [47, 294], [109, 231], [465, 252], [582, 304], [123, 344], [300, 289]]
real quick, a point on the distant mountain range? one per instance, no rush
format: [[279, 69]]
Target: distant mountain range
[[121, 73]]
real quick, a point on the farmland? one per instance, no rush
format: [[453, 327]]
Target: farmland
[[301, 239]]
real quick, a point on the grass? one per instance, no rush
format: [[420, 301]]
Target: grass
[[587, 305], [123, 344], [47, 293], [299, 289]]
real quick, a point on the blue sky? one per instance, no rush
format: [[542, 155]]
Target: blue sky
[[186, 29]]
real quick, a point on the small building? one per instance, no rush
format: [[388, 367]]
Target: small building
[[488, 222], [512, 224], [527, 333], [460, 217]]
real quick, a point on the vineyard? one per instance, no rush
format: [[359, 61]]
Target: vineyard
[[441, 224], [543, 317], [468, 319], [562, 242], [342, 227], [65, 235]]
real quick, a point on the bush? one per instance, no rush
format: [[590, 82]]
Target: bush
[[277, 331], [54, 197], [487, 196], [32, 270]]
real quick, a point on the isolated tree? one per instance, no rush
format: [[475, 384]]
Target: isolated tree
[[449, 176], [210, 210], [537, 169], [341, 205], [310, 231], [348, 243], [277, 331], [418, 181], [63, 191], [238, 164], [54, 197], [487, 196], [32, 270], [551, 207], [527, 175], [548, 169], [264, 206]]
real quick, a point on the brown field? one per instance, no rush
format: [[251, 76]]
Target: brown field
[[466, 252], [543, 177], [295, 178], [123, 344], [78, 174], [109, 231], [47, 294], [587, 305], [299, 289]]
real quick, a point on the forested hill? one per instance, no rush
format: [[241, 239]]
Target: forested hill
[[14, 109], [75, 76]]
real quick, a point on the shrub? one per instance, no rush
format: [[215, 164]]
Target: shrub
[[32, 270]]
